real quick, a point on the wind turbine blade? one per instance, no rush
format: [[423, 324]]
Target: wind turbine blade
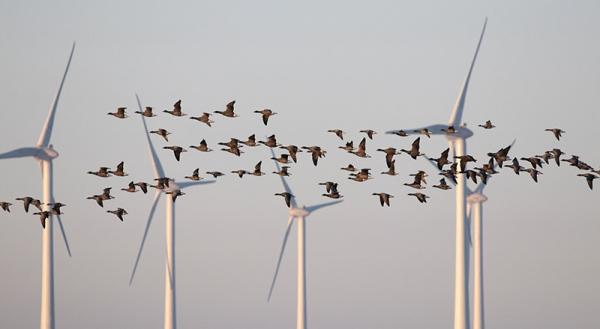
[[158, 169], [322, 205], [286, 187], [285, 238], [20, 153], [64, 235], [183, 185], [44, 138], [457, 110], [150, 216]]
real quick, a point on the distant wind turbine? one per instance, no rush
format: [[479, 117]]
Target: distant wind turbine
[[44, 152], [170, 317], [457, 143], [299, 214]]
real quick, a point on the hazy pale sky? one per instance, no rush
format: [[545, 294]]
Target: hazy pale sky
[[337, 64]]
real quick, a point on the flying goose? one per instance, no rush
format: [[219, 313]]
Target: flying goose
[[328, 186], [195, 175], [414, 150], [287, 196], [450, 175], [119, 213], [120, 170], [283, 171], [283, 158], [389, 155], [205, 118], [339, 133], [349, 168], [175, 194], [271, 142], [535, 162], [361, 176], [442, 160], [27, 200], [391, 170], [501, 155], [228, 110], [589, 178], [348, 147], [423, 131], [384, 198], [147, 112], [102, 172], [557, 132], [202, 147], [99, 199], [233, 150], [251, 142], [215, 174], [443, 185], [316, 152], [162, 133], [534, 173], [420, 196], [362, 149], [292, 150], [176, 150], [556, 154], [369, 133], [333, 192], [233, 142], [416, 184], [400, 133], [449, 131], [5, 206], [257, 171], [55, 207], [43, 216], [488, 125], [120, 113], [143, 186], [176, 110], [546, 156], [131, 188], [239, 172], [464, 159], [266, 113]]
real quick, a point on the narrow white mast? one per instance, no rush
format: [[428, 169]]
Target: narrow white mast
[[461, 284], [301, 293], [47, 302], [476, 201], [170, 297]]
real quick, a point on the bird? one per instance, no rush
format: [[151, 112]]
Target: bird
[[546, 156], [119, 212], [589, 178], [416, 184], [175, 194], [450, 130], [464, 159], [389, 155], [233, 142], [106, 194], [195, 175], [283, 171], [5, 206], [534, 173], [283, 158], [339, 133], [557, 132], [239, 172], [147, 112], [120, 170], [43, 216], [556, 153], [391, 169], [501, 155], [176, 110], [102, 172], [442, 185], [162, 133], [349, 168], [27, 200], [287, 196], [423, 131], [215, 174], [516, 167], [228, 110], [176, 150], [450, 175], [205, 118], [442, 160], [420, 196], [348, 147], [120, 113], [384, 198], [99, 199], [270, 142], [266, 114], [292, 150], [202, 147], [143, 186], [487, 125], [414, 151], [333, 192], [316, 152], [257, 171], [369, 133], [361, 176], [362, 149], [328, 185], [472, 174], [233, 150], [400, 133], [131, 188], [55, 207], [161, 183], [251, 141], [535, 162]]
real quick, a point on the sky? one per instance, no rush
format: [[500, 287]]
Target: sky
[[321, 65]]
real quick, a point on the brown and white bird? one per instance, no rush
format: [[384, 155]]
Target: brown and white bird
[[176, 110], [442, 160], [120, 170], [424, 131], [333, 192], [120, 113], [384, 198], [204, 118], [202, 147], [362, 149], [176, 151], [239, 172], [119, 212], [27, 200], [515, 166], [339, 133], [147, 112], [362, 176], [215, 174], [487, 125], [251, 141], [131, 188], [348, 147], [316, 153], [174, 194], [442, 185], [162, 133], [195, 175], [292, 150], [389, 155], [5, 206], [257, 171], [420, 196], [501, 155], [287, 197], [229, 110], [283, 171], [400, 133], [270, 142], [55, 207], [535, 162], [416, 184], [534, 173], [143, 186], [350, 167], [557, 132], [283, 158], [414, 150], [266, 114], [369, 133], [43, 217], [464, 159], [589, 178], [391, 170], [102, 172]]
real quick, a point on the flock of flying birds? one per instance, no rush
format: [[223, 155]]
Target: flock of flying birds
[[448, 167]]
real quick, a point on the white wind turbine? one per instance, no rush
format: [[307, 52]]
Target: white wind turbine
[[44, 152], [457, 143], [299, 214], [170, 316]]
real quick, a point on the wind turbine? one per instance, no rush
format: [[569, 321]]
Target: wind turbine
[[457, 143], [299, 214], [476, 201], [170, 317], [44, 152]]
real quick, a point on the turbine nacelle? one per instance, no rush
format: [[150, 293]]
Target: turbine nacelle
[[47, 153], [299, 212], [476, 198]]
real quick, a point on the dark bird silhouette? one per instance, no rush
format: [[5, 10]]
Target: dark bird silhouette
[[233, 142], [174, 194], [450, 175], [162, 133], [556, 155], [143, 186], [266, 114], [202, 147], [389, 155], [488, 125], [102, 172], [176, 151], [147, 112], [292, 150], [449, 131], [546, 157], [349, 168], [337, 132], [589, 178], [420, 196], [535, 162], [43, 217], [414, 150], [239, 172], [333, 192], [416, 184], [120, 113], [283, 171], [369, 133], [270, 142], [283, 158], [55, 207], [424, 131], [131, 188], [119, 213], [391, 170], [228, 110], [26, 202], [120, 171], [5, 206], [557, 132], [251, 141], [361, 176], [257, 171], [205, 118], [442, 160], [287, 196], [328, 186], [195, 175], [384, 198], [98, 198], [442, 185], [516, 167], [501, 155], [316, 153], [176, 110], [348, 147], [464, 159], [534, 173], [215, 174], [400, 133], [362, 149]]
